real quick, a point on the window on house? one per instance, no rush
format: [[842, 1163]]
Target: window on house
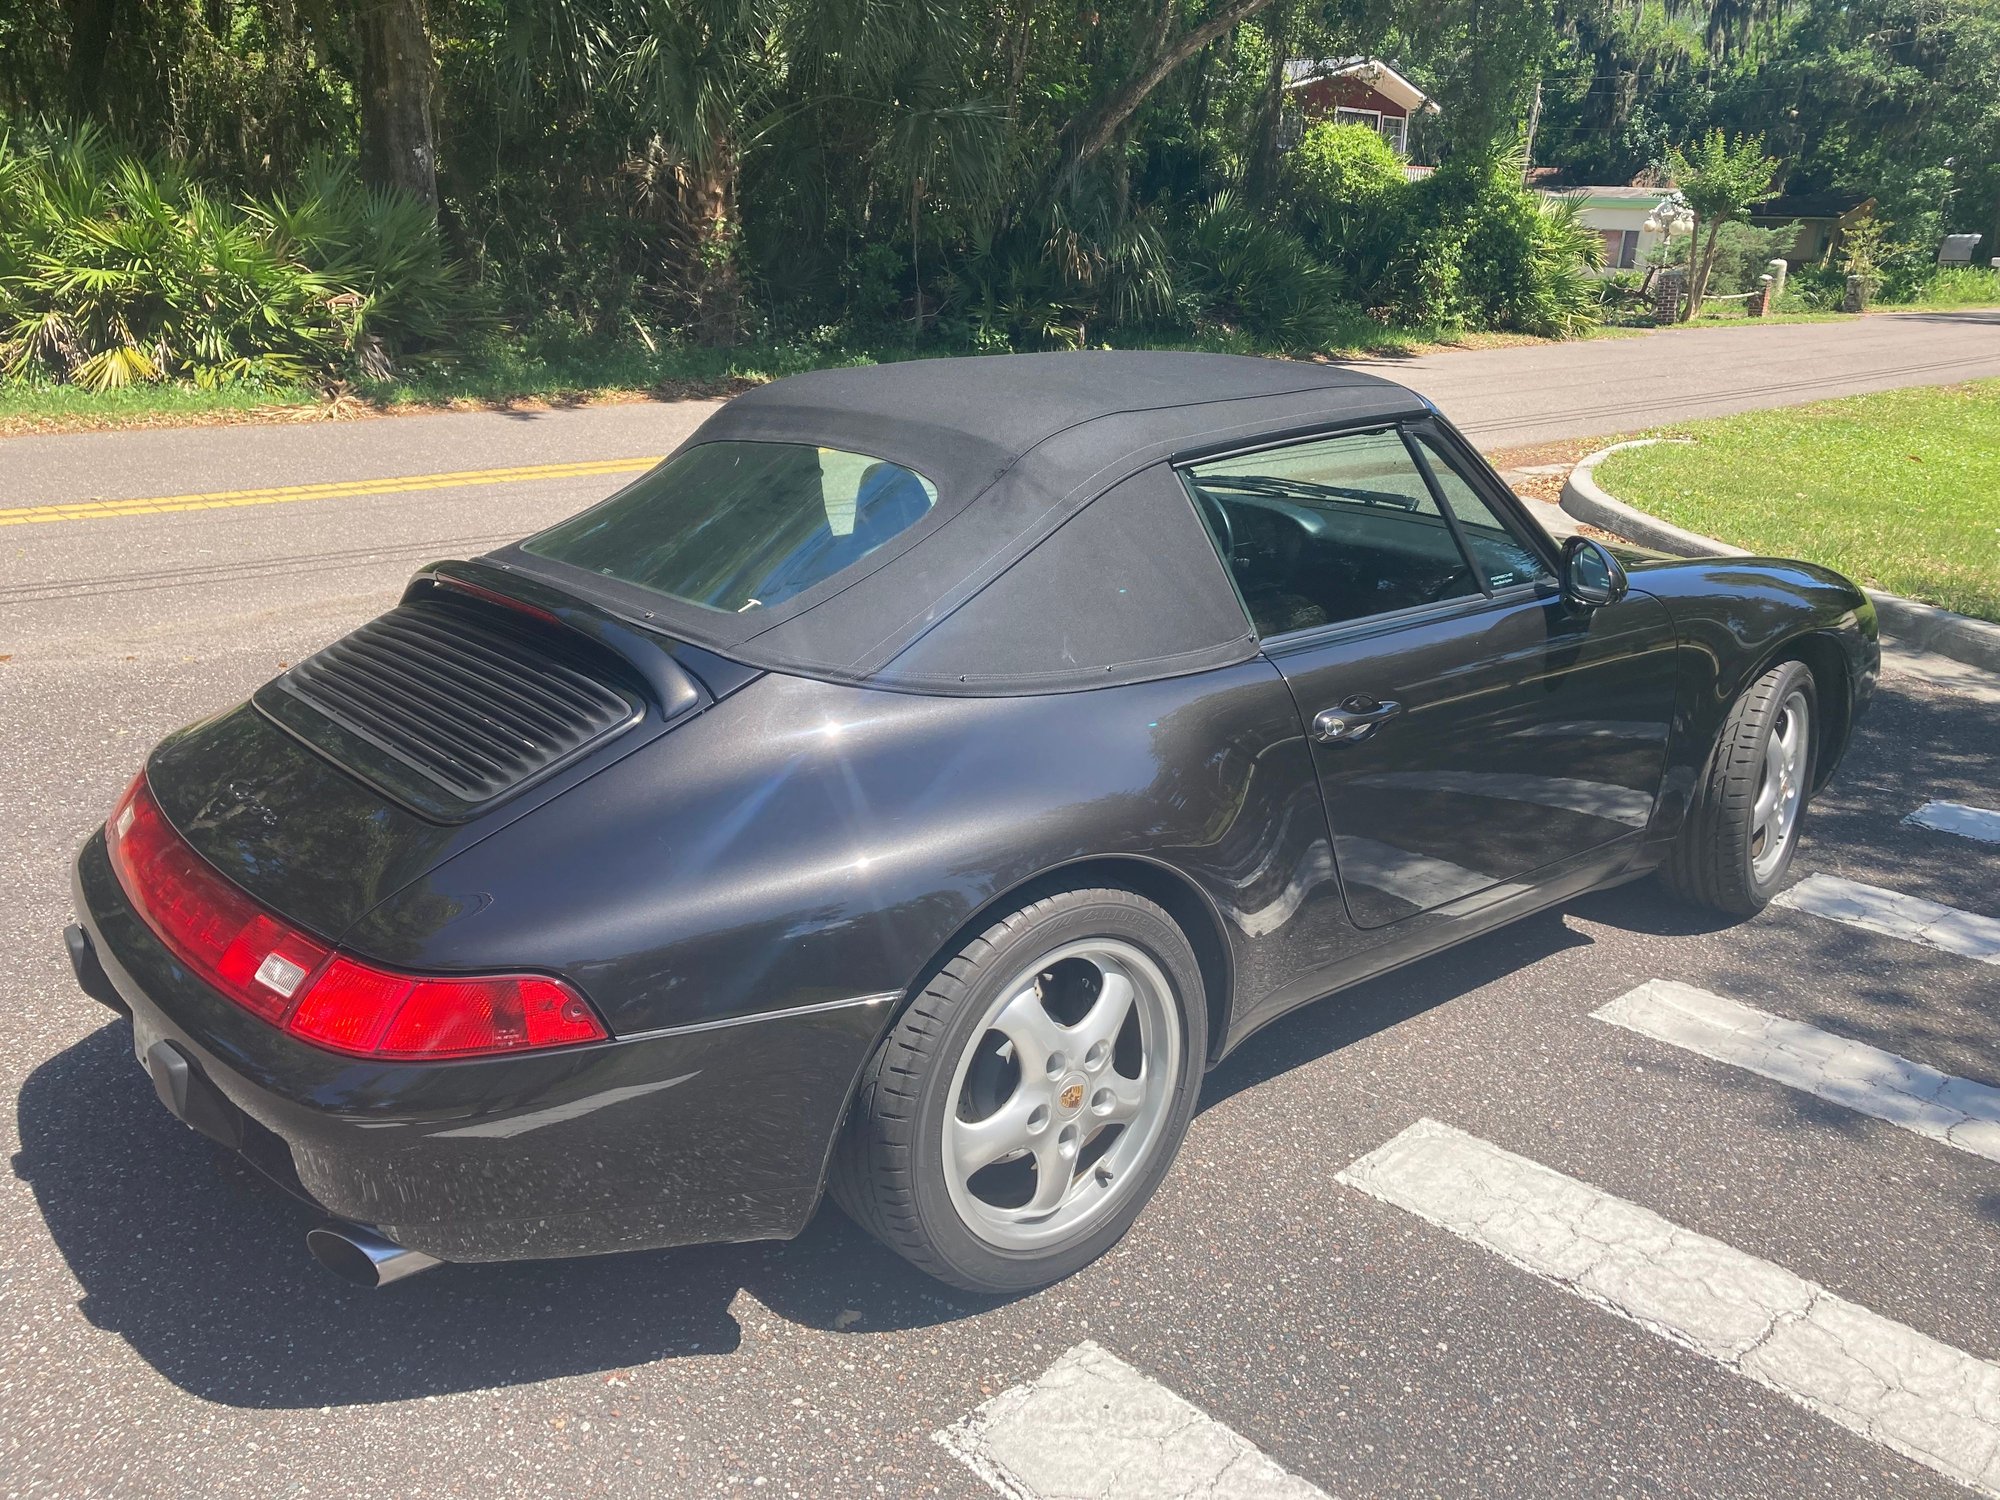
[[1621, 248], [1372, 118]]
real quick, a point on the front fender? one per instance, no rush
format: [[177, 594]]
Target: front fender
[[1737, 616]]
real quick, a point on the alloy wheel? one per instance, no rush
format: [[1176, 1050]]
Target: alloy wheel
[[1062, 1094], [1782, 787]]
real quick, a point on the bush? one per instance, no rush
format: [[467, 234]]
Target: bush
[[115, 270], [400, 291], [1958, 286], [111, 273], [1742, 251], [1479, 250], [1246, 273], [1346, 192], [1816, 287]]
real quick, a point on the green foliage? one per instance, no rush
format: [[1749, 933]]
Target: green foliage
[[115, 271], [1742, 251], [1480, 250], [1046, 282], [1346, 191], [399, 289], [112, 273], [1721, 178], [1245, 272], [1957, 286]]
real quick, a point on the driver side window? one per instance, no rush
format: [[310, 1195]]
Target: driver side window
[[1506, 559], [1330, 530]]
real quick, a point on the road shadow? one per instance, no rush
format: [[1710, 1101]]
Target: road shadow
[[199, 1264], [1326, 1026]]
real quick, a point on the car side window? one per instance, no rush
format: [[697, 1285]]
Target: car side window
[[1329, 530], [1503, 555]]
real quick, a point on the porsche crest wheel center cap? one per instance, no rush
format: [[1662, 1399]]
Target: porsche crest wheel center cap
[[1071, 1098]]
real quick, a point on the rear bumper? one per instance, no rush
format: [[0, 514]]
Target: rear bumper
[[719, 1134]]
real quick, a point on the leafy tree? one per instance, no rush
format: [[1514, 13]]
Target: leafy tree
[[1720, 179]]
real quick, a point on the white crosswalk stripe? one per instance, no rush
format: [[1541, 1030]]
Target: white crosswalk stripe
[[1889, 1383], [1955, 817], [1945, 1108], [1091, 1427], [1893, 914]]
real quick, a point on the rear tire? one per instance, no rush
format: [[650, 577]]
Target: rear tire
[[1029, 1101], [1742, 827]]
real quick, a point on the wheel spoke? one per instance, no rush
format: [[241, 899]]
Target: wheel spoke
[[1790, 740], [1127, 1095], [1106, 1016], [980, 1143], [1032, 1030], [1766, 805], [1053, 1174]]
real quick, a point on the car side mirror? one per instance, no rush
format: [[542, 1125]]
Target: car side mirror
[[1591, 576]]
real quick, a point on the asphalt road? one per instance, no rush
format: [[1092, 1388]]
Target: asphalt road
[[162, 1332]]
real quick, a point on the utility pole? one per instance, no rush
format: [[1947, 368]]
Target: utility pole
[[1534, 123]]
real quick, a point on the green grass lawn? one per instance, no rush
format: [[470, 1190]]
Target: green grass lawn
[[1900, 491]]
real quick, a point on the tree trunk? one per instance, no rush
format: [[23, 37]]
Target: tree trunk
[[715, 282], [90, 23], [1698, 280], [394, 82], [1694, 248], [1101, 128], [1260, 174]]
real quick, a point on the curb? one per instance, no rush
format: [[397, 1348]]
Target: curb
[[1911, 625]]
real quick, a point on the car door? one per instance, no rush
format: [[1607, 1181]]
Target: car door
[[1473, 733]]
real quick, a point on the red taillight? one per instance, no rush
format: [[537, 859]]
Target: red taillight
[[279, 973]]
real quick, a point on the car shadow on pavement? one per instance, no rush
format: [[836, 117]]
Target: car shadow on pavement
[[1377, 1004], [200, 1265]]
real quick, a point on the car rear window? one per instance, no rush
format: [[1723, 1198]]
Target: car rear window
[[739, 526]]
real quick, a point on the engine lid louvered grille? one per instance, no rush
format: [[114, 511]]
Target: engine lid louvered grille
[[463, 695]]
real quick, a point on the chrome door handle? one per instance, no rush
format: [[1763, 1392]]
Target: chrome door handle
[[1354, 720]]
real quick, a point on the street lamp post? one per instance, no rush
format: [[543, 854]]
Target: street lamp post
[[1671, 216]]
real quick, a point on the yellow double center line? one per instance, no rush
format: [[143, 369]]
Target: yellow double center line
[[340, 489]]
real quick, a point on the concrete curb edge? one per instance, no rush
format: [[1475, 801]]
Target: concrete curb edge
[[1911, 625]]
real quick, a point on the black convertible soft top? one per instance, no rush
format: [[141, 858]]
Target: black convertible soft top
[[1062, 552]]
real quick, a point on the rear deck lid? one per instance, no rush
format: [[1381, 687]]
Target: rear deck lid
[[415, 736]]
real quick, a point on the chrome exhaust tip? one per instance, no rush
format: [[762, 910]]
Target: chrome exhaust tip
[[363, 1256]]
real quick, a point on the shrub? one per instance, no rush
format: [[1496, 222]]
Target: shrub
[[1958, 286], [115, 270], [1245, 272], [1346, 192], [1742, 251], [1480, 250], [400, 292], [112, 272], [1045, 282]]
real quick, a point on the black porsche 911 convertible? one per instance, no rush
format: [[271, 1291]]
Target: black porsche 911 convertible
[[909, 788]]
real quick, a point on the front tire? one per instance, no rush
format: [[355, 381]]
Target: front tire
[[1743, 825], [1025, 1106]]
